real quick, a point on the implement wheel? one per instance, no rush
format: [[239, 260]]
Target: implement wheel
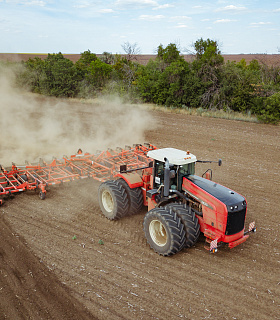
[[189, 220], [113, 200], [135, 197], [42, 195], [164, 231]]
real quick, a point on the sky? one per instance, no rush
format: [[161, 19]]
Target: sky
[[74, 26]]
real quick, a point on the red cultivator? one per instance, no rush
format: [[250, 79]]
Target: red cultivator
[[102, 166]]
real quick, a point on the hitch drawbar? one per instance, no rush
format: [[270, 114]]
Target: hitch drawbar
[[215, 244]]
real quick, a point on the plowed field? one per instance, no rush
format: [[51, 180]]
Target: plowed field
[[52, 265]]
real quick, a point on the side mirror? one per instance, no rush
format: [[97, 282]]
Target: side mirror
[[220, 162]]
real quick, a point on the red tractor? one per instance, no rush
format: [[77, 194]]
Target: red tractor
[[180, 203]]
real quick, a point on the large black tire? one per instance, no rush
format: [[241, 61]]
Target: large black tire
[[189, 220], [135, 197], [164, 231], [113, 200]]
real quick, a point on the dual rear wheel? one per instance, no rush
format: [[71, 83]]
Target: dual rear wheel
[[170, 229], [167, 229], [117, 199]]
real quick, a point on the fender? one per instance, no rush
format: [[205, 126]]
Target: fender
[[133, 179]]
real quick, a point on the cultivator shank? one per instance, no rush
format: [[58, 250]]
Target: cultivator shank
[[101, 166]]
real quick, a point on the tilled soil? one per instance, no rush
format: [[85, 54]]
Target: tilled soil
[[54, 266]]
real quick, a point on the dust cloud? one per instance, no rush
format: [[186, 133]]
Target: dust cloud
[[34, 126]]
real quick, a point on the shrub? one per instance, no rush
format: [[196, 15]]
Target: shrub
[[59, 77], [271, 110]]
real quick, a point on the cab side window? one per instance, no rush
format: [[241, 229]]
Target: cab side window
[[159, 173], [184, 171]]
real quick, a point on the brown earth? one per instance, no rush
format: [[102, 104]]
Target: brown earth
[[47, 273], [268, 59]]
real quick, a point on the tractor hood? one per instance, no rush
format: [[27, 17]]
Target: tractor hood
[[225, 195]]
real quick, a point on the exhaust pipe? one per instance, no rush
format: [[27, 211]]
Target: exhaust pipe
[[166, 178]]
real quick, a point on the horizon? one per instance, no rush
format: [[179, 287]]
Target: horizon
[[268, 59], [139, 54]]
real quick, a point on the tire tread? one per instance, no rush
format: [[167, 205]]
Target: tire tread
[[121, 199], [189, 221], [175, 229]]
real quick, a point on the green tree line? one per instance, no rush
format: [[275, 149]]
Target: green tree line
[[206, 82]]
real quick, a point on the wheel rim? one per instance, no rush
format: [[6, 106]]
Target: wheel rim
[[107, 201], [158, 233]]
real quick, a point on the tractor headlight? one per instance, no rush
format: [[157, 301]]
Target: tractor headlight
[[236, 207]]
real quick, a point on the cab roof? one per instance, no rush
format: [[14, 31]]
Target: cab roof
[[174, 156]]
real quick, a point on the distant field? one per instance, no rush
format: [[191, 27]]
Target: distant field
[[269, 59]]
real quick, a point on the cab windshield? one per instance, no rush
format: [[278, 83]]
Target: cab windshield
[[185, 170], [177, 180]]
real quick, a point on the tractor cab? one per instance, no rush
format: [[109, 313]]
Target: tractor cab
[[170, 166]]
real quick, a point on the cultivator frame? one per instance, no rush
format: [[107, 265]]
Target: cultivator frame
[[101, 166]]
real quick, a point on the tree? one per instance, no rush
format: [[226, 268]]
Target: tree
[[254, 65], [207, 51], [84, 62], [59, 76], [208, 66], [31, 75], [131, 50], [271, 111], [98, 73], [164, 86], [125, 70], [242, 64], [147, 78], [169, 54], [107, 57]]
